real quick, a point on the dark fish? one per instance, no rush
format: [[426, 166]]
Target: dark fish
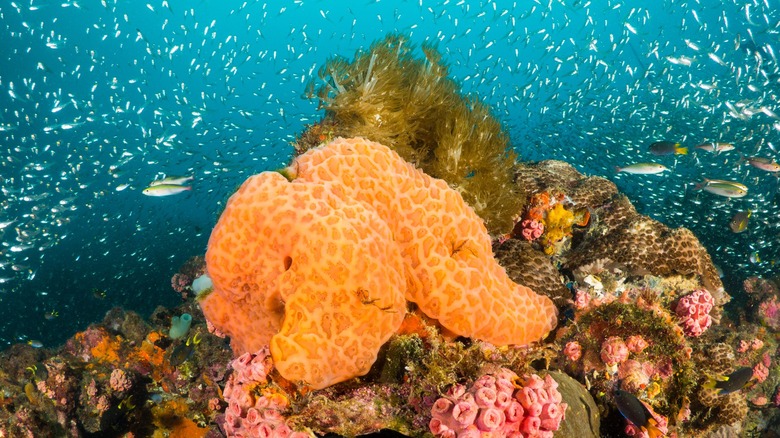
[[181, 353], [739, 221], [636, 412], [99, 293], [667, 148], [731, 383], [38, 371]]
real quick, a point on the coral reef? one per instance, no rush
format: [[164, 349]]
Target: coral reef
[[764, 297], [115, 379], [616, 234], [323, 275], [362, 297], [645, 246], [388, 95]]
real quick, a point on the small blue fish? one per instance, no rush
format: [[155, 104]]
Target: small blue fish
[[35, 343]]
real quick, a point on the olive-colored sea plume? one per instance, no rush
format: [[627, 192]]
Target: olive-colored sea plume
[[388, 95]]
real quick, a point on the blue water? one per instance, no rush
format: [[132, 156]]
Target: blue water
[[95, 96]]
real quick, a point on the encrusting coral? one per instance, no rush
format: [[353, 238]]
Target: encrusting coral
[[319, 265], [410, 104], [617, 234]]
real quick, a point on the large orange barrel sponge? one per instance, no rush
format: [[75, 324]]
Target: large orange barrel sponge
[[320, 264]]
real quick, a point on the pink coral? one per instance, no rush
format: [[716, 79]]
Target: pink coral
[[581, 299], [255, 407], [103, 404], [573, 351], [769, 313], [760, 372], [694, 312], [120, 381], [776, 397], [532, 229], [193, 268], [633, 375], [492, 405], [636, 344], [614, 351]]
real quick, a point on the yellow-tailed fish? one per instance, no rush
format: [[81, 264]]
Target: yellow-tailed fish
[[739, 221], [165, 190], [633, 410], [667, 148], [732, 382], [174, 180]]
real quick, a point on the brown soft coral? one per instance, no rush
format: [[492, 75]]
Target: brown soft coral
[[319, 265]]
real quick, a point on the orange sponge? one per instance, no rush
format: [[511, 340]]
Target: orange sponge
[[321, 266], [308, 272]]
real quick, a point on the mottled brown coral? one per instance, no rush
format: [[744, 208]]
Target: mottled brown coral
[[617, 234], [716, 359], [646, 246], [560, 177], [531, 267]]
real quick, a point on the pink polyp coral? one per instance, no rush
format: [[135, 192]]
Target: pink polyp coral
[[532, 229], [581, 299], [769, 312], [633, 375], [613, 351], [636, 344], [493, 405], [572, 351], [760, 372], [694, 312], [120, 381], [249, 413]]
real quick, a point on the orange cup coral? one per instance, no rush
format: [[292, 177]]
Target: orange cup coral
[[320, 266]]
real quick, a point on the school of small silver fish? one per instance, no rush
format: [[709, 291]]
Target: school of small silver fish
[[103, 102]]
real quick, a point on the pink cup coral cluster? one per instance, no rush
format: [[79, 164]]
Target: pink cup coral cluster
[[634, 375], [532, 229], [613, 351], [694, 312], [497, 406], [769, 313], [120, 381], [254, 408], [636, 344]]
